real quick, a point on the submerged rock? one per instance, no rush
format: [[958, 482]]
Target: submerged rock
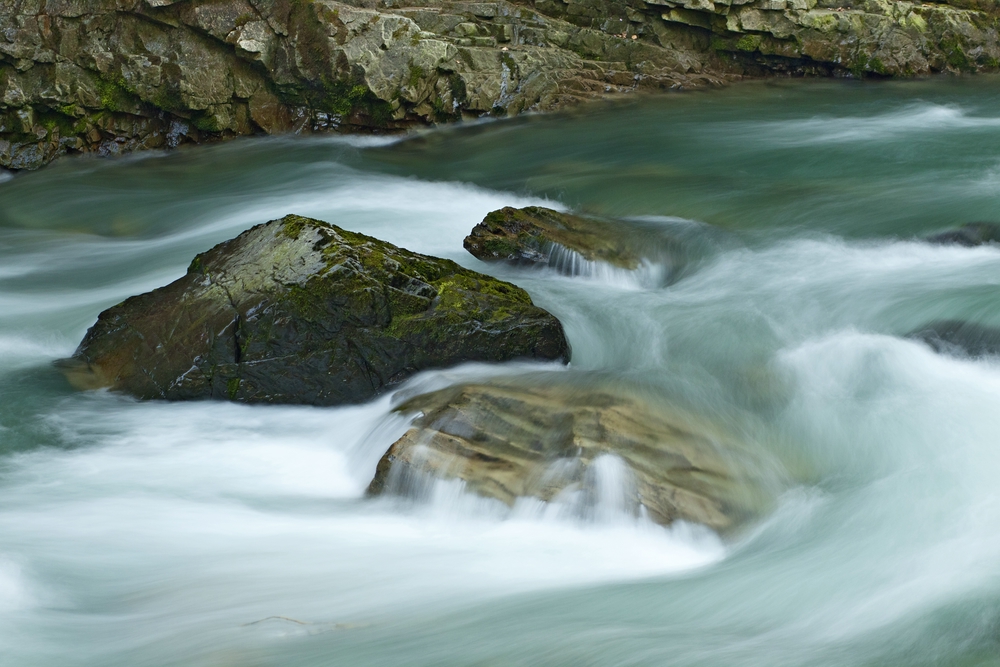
[[969, 235], [960, 338], [550, 441], [535, 235], [300, 311]]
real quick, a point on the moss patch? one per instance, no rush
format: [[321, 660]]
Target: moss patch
[[417, 75], [347, 99], [749, 43], [116, 95]]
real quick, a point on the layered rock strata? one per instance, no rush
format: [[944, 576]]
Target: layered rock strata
[[300, 311], [548, 440], [111, 76]]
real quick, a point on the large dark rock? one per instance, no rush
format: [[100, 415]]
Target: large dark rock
[[300, 311], [544, 439], [960, 338], [969, 235]]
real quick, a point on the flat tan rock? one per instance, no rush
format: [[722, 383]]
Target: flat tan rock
[[507, 441]]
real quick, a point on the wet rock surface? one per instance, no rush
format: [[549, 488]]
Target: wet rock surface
[[551, 440], [960, 338], [300, 311], [970, 235], [112, 76], [536, 235]]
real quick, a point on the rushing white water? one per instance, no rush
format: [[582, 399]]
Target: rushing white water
[[887, 127], [218, 516], [571, 263], [212, 534]]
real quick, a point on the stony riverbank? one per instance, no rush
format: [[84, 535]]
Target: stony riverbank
[[113, 76]]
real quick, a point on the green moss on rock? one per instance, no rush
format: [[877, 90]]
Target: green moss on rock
[[529, 235], [116, 95], [301, 311], [749, 43]]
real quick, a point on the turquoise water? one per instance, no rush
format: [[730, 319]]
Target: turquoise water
[[222, 535]]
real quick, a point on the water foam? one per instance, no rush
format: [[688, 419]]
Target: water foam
[[647, 275], [15, 594], [164, 531], [196, 519], [806, 286], [884, 127]]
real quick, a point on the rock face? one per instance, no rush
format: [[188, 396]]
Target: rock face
[[301, 311], [961, 338], [111, 76], [532, 235], [546, 441], [860, 37], [970, 235]]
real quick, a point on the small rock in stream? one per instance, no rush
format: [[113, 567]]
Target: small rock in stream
[[957, 337], [969, 235], [531, 235], [648, 252]]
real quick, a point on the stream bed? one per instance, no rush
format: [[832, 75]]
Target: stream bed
[[209, 534]]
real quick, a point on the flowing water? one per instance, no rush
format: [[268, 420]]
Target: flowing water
[[211, 534]]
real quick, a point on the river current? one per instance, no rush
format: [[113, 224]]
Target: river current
[[218, 535]]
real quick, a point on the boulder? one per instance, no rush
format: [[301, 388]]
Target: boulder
[[550, 440], [960, 338], [969, 235], [301, 311], [537, 235]]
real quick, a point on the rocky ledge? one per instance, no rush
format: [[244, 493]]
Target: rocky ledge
[[300, 311], [111, 76], [545, 439]]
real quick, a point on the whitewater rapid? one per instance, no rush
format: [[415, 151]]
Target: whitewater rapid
[[213, 534]]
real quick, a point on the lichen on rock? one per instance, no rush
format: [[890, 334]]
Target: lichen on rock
[[301, 311]]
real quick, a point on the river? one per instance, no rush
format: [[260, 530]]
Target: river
[[220, 535]]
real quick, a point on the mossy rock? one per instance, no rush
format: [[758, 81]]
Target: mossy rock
[[538, 437], [532, 234], [301, 311]]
